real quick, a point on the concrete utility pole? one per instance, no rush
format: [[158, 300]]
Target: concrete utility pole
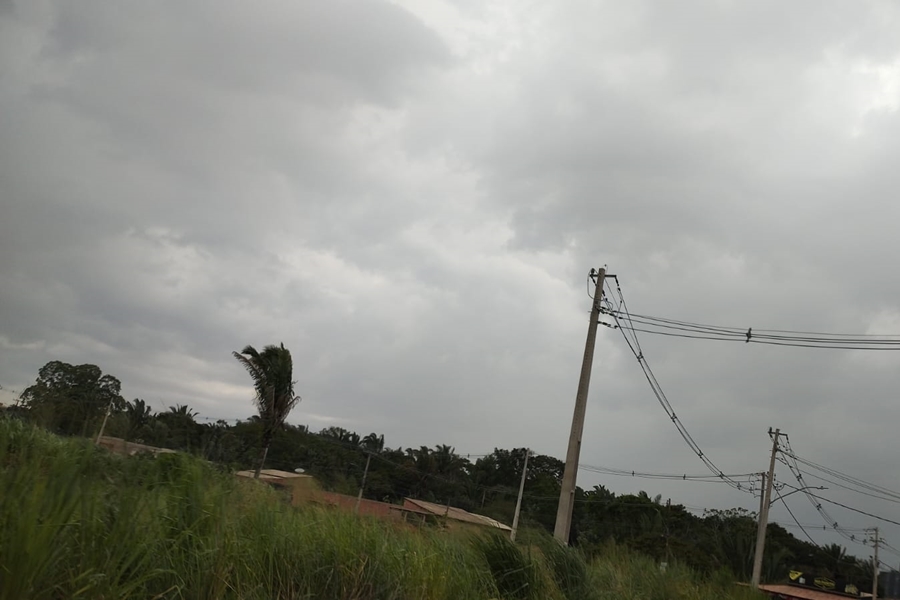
[[762, 495], [875, 568], [567, 492], [515, 527], [764, 514], [103, 425], [363, 484]]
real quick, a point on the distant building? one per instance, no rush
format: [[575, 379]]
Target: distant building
[[121, 446], [453, 514], [373, 508], [889, 582], [300, 487], [304, 489]]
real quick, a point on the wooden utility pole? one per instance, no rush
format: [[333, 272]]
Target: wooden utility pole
[[567, 491], [875, 568], [515, 525], [764, 514], [363, 484]]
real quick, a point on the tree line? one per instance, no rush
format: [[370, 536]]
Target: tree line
[[73, 400]]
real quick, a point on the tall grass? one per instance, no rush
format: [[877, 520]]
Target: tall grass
[[621, 573], [77, 522], [516, 573]]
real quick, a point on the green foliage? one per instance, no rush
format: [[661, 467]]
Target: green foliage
[[568, 567], [76, 522], [71, 399], [625, 574], [517, 575], [718, 541], [94, 525]]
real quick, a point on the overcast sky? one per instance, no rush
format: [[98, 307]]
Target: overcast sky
[[409, 196]]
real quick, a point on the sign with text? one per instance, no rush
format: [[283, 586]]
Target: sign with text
[[828, 584]]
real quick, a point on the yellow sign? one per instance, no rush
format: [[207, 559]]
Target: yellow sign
[[824, 583]]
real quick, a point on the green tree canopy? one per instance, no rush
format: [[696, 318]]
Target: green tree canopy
[[71, 399]]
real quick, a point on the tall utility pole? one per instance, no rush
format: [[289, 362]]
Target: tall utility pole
[[515, 527], [875, 568], [762, 494], [764, 513], [363, 484], [567, 492]]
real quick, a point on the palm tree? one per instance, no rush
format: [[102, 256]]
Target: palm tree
[[138, 415], [836, 555], [272, 372], [373, 442], [182, 411], [181, 425]]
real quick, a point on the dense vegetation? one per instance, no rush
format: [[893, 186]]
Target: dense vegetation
[[72, 400], [78, 522]]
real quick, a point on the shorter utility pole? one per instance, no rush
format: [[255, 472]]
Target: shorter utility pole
[[764, 513], [875, 568], [515, 525], [103, 425], [363, 484]]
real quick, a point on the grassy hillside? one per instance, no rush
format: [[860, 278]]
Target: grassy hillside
[[76, 522]]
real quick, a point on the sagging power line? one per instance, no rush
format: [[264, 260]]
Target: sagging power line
[[618, 309], [603, 303], [772, 337]]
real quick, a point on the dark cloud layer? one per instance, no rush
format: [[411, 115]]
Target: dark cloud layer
[[409, 196]]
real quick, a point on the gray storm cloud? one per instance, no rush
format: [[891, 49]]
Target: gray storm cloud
[[409, 195]]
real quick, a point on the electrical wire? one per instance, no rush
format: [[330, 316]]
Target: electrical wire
[[824, 346], [703, 478], [851, 489], [772, 333], [498, 489], [865, 485], [790, 512], [811, 526], [798, 475], [601, 470], [818, 505], [624, 324], [774, 337], [889, 549], [856, 510]]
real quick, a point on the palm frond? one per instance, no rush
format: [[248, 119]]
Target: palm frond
[[272, 372]]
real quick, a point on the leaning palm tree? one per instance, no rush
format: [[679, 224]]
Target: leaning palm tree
[[272, 372]]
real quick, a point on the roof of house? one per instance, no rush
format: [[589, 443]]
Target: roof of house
[[458, 514], [119, 445], [272, 475], [366, 505], [792, 591]]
